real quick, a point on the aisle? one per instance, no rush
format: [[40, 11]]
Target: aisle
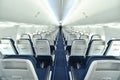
[[60, 70]]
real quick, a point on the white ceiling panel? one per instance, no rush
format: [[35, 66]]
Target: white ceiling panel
[[27, 11], [53, 12], [94, 11]]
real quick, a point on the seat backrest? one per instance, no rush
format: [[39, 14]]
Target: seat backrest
[[17, 69], [95, 36], [78, 47], [103, 70], [113, 48], [86, 37], [7, 47], [25, 47], [96, 48], [42, 47], [25, 36], [36, 36], [50, 37], [70, 39]]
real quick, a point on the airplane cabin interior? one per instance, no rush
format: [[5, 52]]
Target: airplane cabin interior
[[59, 39]]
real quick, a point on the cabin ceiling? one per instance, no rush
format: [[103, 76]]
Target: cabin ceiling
[[27, 11], [53, 12], [94, 12]]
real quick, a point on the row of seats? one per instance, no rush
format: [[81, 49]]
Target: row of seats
[[95, 47], [90, 58], [23, 67], [24, 47], [49, 35], [28, 45], [70, 35], [81, 47], [29, 58], [96, 68], [99, 64], [25, 60]]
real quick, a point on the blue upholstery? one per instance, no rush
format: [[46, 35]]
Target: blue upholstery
[[52, 48], [79, 74], [73, 60], [46, 59], [68, 48], [41, 72]]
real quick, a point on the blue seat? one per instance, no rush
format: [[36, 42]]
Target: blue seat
[[78, 47], [42, 47], [36, 36], [75, 60], [86, 37], [96, 48], [78, 51], [43, 53], [97, 68], [95, 36], [25, 36], [68, 49], [38, 72], [25, 47], [15, 67], [7, 46], [113, 48]]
